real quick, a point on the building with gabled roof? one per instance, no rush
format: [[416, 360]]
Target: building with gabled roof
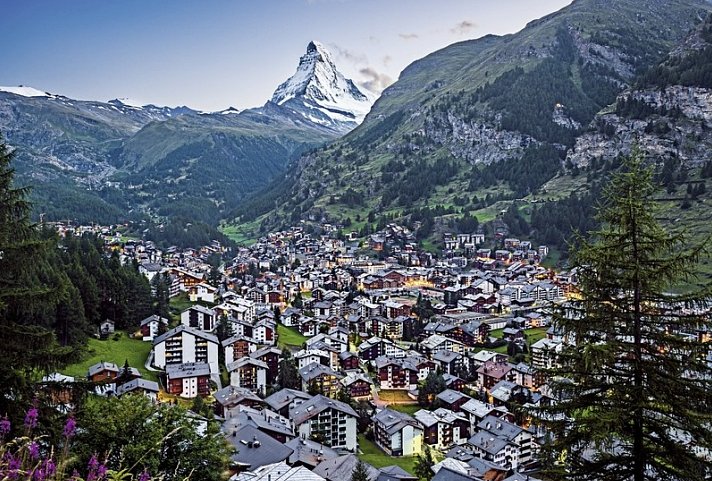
[[186, 345], [396, 433], [334, 422]]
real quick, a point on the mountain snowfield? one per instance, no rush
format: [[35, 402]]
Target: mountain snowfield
[[320, 93], [25, 91]]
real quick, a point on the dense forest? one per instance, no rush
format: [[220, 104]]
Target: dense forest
[[53, 293], [692, 69]]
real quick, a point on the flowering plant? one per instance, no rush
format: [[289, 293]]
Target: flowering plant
[[28, 457]]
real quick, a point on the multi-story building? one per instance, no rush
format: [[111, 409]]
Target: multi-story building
[[396, 433], [520, 437], [320, 378], [189, 380], [330, 421], [397, 373], [248, 373], [443, 428], [236, 347], [199, 317], [184, 344]]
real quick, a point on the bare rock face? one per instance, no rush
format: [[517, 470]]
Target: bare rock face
[[676, 123], [476, 141]]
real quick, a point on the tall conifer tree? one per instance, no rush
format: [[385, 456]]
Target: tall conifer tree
[[28, 295], [634, 381]]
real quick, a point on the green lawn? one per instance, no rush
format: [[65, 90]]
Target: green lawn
[[288, 337], [180, 303], [394, 395], [372, 454], [135, 350], [405, 408]]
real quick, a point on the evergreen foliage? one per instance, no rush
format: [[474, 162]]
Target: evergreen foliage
[[360, 473], [423, 464], [30, 296], [634, 399]]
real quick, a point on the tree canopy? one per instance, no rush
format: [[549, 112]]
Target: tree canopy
[[633, 382]]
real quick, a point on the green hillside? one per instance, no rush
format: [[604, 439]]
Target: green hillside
[[479, 125]]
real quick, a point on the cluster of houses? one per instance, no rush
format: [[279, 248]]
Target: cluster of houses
[[362, 334]]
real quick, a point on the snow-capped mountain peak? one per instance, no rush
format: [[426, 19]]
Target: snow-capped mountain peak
[[26, 91], [321, 93]]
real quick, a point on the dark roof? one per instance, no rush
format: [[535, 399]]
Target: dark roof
[[137, 384], [395, 473], [152, 318], [283, 397], [446, 474], [187, 369], [394, 421], [232, 395], [255, 448], [316, 405], [341, 469], [308, 452], [180, 328], [103, 366], [314, 370]]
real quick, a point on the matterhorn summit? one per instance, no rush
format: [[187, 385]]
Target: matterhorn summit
[[320, 93]]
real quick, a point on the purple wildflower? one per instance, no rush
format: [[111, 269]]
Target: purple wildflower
[[39, 474], [144, 476], [70, 427], [93, 463], [34, 450], [31, 418], [101, 471], [4, 426], [50, 467], [13, 466]]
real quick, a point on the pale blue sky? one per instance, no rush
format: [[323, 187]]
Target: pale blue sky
[[212, 54]]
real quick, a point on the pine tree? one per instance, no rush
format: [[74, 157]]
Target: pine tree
[[360, 473], [28, 298], [423, 465], [288, 376], [633, 385]]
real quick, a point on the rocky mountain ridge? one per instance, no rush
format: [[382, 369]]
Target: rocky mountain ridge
[[126, 160]]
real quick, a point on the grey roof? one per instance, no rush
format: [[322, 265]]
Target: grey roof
[[521, 477], [447, 474], [103, 366], [394, 473], [137, 384], [314, 370], [309, 452], [262, 419], [246, 361], [446, 356], [180, 328], [232, 340], [152, 318], [231, 395], [255, 448], [500, 427], [394, 421], [316, 405], [201, 308], [283, 397], [265, 350], [341, 468], [450, 396], [187, 369], [488, 442]]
